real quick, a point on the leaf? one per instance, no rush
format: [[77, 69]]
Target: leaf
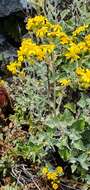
[[83, 161], [73, 167], [71, 107], [78, 145], [82, 102], [87, 119], [67, 117], [74, 135], [85, 186], [79, 125], [65, 154], [88, 179], [63, 142], [64, 13]]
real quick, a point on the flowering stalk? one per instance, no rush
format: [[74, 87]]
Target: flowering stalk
[[48, 87], [54, 85], [54, 91]]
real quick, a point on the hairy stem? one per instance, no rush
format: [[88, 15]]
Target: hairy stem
[[54, 90]]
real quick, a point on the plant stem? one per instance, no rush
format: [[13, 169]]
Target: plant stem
[[54, 90], [48, 88]]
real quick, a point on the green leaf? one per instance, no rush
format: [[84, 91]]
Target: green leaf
[[82, 102], [64, 13], [67, 117], [79, 125], [88, 179], [78, 145], [71, 107], [65, 154], [63, 142], [73, 167], [83, 161]]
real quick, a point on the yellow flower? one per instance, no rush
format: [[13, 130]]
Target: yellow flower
[[55, 186], [20, 59], [48, 48], [45, 170], [64, 82], [29, 50], [13, 66], [84, 77], [82, 46], [21, 74], [87, 37], [59, 170], [52, 176], [87, 40], [80, 29], [79, 71], [42, 32], [37, 22], [55, 30], [73, 52], [64, 39], [1, 82]]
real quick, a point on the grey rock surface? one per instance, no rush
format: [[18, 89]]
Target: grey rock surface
[[6, 49], [10, 6]]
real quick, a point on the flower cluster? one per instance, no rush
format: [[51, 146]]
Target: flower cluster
[[84, 77], [53, 176], [13, 67], [75, 50], [47, 39], [36, 23], [42, 28], [82, 47], [30, 50], [80, 29], [87, 40]]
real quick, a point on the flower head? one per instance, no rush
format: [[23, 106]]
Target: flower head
[[87, 41], [42, 32], [82, 46], [13, 66], [64, 39], [73, 52], [80, 29], [52, 175], [36, 23], [55, 186], [84, 77], [45, 170], [59, 170], [1, 82], [64, 82]]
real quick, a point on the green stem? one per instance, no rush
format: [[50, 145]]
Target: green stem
[[54, 90], [48, 89]]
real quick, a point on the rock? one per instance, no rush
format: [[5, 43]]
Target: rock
[[7, 53], [2, 39], [8, 7], [6, 49]]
